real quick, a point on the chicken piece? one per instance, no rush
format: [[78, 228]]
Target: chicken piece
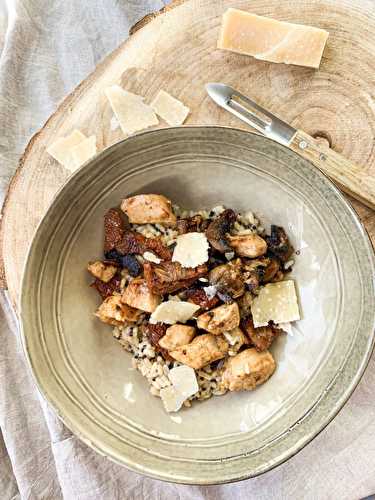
[[114, 312], [137, 294], [279, 244], [236, 338], [114, 228], [261, 337], [265, 268], [199, 297], [168, 277], [246, 370], [228, 279], [149, 209], [176, 336], [194, 224], [248, 245], [103, 271], [216, 232], [107, 289], [244, 304], [203, 350], [221, 319], [135, 243]]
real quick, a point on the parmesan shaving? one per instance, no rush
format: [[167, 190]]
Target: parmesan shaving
[[276, 302], [130, 110], [171, 312], [151, 257], [61, 149], [170, 109], [191, 249], [83, 152]]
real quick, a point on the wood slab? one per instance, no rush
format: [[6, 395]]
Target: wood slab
[[175, 50]]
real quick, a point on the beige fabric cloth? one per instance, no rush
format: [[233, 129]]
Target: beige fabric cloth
[[49, 46]]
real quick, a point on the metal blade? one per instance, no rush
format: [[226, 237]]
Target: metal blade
[[251, 113]]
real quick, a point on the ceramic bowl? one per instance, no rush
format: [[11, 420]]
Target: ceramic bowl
[[82, 371]]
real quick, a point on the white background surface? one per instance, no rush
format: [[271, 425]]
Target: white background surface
[[47, 48]]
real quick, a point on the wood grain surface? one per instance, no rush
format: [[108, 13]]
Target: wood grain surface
[[176, 50]]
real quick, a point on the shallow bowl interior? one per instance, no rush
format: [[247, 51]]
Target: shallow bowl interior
[[87, 377]]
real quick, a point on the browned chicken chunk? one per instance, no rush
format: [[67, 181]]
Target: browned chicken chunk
[[261, 337], [237, 338], [221, 319], [265, 268], [216, 232], [107, 289], [228, 279], [135, 243], [177, 335], [199, 297], [246, 370], [149, 209], [114, 228], [137, 294], [248, 245], [168, 277], [104, 271], [114, 312], [203, 350]]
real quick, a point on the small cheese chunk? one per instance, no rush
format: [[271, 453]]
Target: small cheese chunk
[[276, 302], [171, 312], [82, 152], [271, 40], [184, 380], [61, 149], [170, 109], [172, 398], [151, 257], [191, 250], [130, 110]]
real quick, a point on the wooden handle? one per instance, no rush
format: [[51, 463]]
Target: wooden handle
[[351, 178]]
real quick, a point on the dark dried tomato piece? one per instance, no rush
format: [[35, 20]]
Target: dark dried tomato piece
[[114, 228], [154, 333], [107, 289], [199, 297], [135, 243], [261, 337], [168, 277]]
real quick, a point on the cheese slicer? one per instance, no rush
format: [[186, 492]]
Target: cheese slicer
[[351, 178]]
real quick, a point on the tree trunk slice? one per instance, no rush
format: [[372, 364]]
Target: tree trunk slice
[[175, 49]]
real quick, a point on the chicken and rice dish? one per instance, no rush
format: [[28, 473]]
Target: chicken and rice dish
[[196, 297]]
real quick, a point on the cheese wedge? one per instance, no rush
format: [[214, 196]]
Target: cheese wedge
[[61, 149], [130, 110], [276, 302], [271, 40], [170, 109], [83, 152]]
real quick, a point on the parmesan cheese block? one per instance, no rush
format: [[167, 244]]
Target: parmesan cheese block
[[83, 152], [172, 312], [130, 110], [61, 149], [271, 40], [276, 302], [191, 249], [170, 109]]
